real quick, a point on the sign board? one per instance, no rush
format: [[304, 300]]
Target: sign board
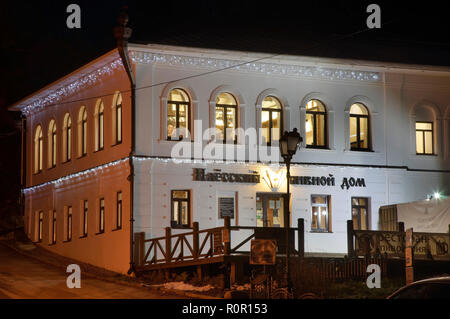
[[263, 252], [226, 207], [409, 275], [392, 244]]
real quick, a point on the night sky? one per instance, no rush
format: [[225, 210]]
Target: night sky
[[37, 48]]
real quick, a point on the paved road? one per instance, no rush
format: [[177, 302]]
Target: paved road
[[23, 277]]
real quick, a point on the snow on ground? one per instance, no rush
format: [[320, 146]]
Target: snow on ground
[[179, 285]]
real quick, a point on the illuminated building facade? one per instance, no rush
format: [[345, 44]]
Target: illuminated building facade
[[374, 134]]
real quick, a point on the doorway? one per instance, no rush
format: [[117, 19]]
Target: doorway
[[270, 209]]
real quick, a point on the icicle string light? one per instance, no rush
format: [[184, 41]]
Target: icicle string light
[[73, 88], [255, 67]]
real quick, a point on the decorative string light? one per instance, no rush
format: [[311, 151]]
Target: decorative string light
[[142, 57]]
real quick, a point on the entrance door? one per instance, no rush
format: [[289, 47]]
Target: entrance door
[[270, 208]]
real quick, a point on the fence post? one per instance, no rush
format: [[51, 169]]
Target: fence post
[[301, 237], [227, 244], [350, 246], [168, 244], [195, 239], [139, 248]]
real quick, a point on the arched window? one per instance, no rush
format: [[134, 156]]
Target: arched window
[[425, 131], [226, 118], [271, 120], [359, 128], [117, 120], [178, 108], [316, 124], [82, 132], [38, 149], [52, 144], [67, 138], [99, 126]]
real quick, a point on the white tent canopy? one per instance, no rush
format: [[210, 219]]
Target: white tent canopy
[[430, 216]]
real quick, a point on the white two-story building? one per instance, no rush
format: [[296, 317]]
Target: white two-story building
[[373, 133]]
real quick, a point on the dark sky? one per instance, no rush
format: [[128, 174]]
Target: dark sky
[[37, 47]]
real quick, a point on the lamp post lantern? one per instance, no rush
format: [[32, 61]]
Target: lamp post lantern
[[289, 143]]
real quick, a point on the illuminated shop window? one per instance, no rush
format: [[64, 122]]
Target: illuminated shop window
[[316, 124], [180, 209], [67, 138], [38, 149], [82, 132], [52, 144], [178, 108], [99, 126], [424, 138], [320, 208], [359, 128], [360, 213], [226, 118], [271, 120]]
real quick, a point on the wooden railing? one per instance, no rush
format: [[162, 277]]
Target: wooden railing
[[196, 244]]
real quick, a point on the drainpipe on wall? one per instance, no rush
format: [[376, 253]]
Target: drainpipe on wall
[[122, 33]]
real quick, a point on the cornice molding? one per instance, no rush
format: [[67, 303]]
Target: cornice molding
[[316, 72]]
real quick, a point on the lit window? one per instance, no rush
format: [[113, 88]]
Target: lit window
[[424, 138], [178, 108], [117, 119], [54, 227], [320, 207], [359, 128], [85, 218], [101, 215], [271, 120], [52, 144], [41, 226], [82, 131], [99, 126], [67, 138], [360, 214], [226, 112], [119, 211], [38, 150], [316, 124], [69, 223], [180, 209]]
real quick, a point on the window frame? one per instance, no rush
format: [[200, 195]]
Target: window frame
[[85, 218], [358, 207], [54, 227], [173, 223], [177, 114], [423, 137], [101, 216], [118, 128], [68, 138], [327, 229], [358, 129], [315, 129], [84, 133], [40, 226], [38, 149], [271, 110], [119, 210], [101, 128], [69, 222]]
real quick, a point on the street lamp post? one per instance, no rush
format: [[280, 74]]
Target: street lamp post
[[288, 146]]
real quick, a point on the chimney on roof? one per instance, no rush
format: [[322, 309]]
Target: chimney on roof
[[122, 33]]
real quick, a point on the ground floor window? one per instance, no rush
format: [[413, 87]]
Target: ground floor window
[[270, 209], [320, 209], [360, 213], [180, 209]]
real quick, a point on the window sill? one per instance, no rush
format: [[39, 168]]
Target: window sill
[[37, 173], [67, 241], [320, 231], [99, 150], [68, 161], [116, 144], [52, 244], [51, 167], [425, 155], [100, 233], [180, 227], [84, 236], [116, 229], [82, 156]]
